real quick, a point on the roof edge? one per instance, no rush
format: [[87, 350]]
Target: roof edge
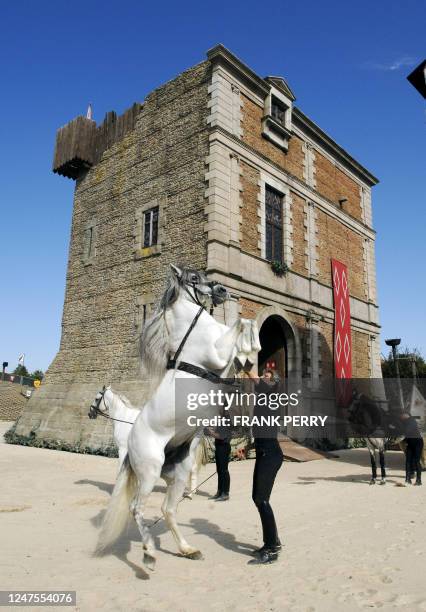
[[316, 133], [219, 54]]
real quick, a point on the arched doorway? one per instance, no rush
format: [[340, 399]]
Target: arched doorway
[[273, 353], [280, 343]]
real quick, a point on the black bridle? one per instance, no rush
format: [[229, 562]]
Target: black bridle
[[197, 293], [95, 408], [183, 365]]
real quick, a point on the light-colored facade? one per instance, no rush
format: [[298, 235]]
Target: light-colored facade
[[188, 178]]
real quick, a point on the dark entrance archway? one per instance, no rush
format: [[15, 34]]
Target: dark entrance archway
[[280, 343], [274, 347]]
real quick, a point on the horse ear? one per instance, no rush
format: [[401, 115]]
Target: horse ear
[[176, 271]]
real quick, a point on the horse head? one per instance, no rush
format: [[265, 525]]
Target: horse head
[[95, 406], [198, 287]]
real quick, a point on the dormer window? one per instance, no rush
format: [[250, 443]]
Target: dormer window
[[276, 122], [278, 111]]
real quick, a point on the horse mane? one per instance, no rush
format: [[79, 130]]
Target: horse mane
[[124, 399], [154, 339]]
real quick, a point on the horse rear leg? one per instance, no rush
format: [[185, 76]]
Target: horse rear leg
[[192, 482], [193, 478], [147, 477], [382, 466], [373, 466], [122, 452], [175, 488]]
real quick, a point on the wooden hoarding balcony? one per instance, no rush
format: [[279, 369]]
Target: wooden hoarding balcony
[[81, 143]]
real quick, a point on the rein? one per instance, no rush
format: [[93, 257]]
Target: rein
[[96, 408], [171, 364], [189, 367]]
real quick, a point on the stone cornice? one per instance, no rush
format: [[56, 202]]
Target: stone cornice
[[222, 56], [252, 288]]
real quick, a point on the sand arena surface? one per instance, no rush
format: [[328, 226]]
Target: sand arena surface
[[348, 546]]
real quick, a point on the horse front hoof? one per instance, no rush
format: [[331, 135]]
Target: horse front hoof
[[195, 555], [383, 481], [372, 481], [149, 561]]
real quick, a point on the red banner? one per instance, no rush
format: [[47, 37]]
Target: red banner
[[342, 321]]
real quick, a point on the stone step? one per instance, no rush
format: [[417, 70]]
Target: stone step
[[297, 452]]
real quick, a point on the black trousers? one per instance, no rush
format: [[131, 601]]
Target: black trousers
[[222, 452], [269, 459], [412, 457]]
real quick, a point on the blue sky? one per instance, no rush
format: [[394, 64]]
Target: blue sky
[[346, 62]]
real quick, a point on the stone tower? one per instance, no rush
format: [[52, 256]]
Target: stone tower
[[217, 169]]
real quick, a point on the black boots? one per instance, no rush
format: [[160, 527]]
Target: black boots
[[276, 548], [223, 497], [220, 496], [418, 482], [265, 555]]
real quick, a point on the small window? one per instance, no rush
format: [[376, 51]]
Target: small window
[[89, 242], [278, 111], [274, 224], [150, 227], [89, 246]]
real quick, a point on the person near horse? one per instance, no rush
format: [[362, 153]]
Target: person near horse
[[222, 445], [414, 441], [269, 459]]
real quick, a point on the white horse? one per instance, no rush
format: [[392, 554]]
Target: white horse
[[181, 341], [120, 411]]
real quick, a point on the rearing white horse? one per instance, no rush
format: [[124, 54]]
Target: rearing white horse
[[181, 341], [120, 411]]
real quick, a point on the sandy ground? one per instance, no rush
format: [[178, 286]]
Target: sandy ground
[[348, 546]]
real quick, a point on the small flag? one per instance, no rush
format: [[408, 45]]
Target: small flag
[[21, 359], [89, 113]]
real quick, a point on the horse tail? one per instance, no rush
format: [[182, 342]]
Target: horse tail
[[118, 511]]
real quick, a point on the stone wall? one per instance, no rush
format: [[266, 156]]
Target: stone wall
[[292, 161], [336, 241], [300, 238], [361, 360], [160, 163], [250, 236], [12, 400], [326, 349], [334, 184], [249, 309]]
